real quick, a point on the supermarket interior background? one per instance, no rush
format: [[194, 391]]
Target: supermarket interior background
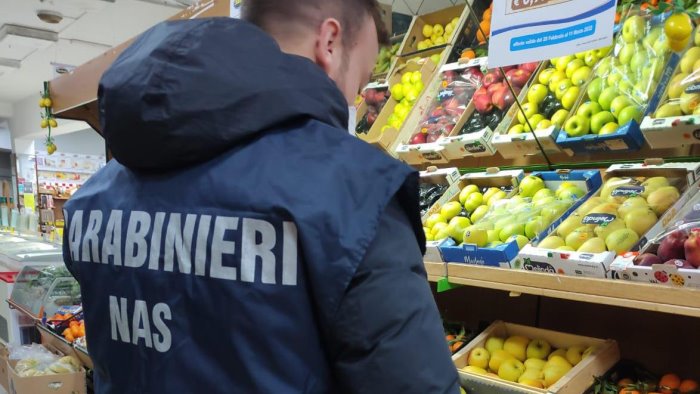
[[558, 192]]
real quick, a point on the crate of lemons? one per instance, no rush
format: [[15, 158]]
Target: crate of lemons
[[488, 218], [437, 34]]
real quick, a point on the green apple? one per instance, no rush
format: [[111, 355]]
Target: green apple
[[554, 80], [476, 236], [473, 201], [563, 62], [529, 109], [604, 66], [595, 87], [601, 119], [534, 227], [479, 213], [433, 219], [627, 52], [661, 46], [533, 121], [641, 91], [466, 191], [580, 55], [451, 209], [577, 126], [653, 70], [517, 129], [607, 96], [639, 60], [632, 112], [562, 87], [551, 242], [569, 98], [580, 76], [625, 87], [668, 110], [530, 185], [545, 75], [489, 193], [537, 93], [588, 109], [604, 51], [573, 66], [614, 77], [521, 240], [500, 195], [493, 236], [618, 104], [696, 37], [542, 193], [571, 193], [559, 117], [591, 58], [633, 29], [457, 226], [543, 124]]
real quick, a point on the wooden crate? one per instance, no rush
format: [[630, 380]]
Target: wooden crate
[[577, 380], [384, 139], [444, 16]]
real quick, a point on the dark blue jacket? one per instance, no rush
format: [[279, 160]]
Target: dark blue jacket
[[241, 241]]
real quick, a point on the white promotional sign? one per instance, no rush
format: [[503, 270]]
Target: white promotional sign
[[530, 30], [235, 9]]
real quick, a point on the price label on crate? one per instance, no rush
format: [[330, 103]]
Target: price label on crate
[[531, 30]]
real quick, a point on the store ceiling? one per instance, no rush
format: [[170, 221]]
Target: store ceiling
[[29, 46], [31, 49]]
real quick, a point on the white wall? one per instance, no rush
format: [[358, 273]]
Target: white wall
[[86, 142]]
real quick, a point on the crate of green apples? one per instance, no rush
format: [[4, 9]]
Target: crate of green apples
[[675, 121], [622, 90], [631, 207], [503, 223], [509, 357], [547, 104]]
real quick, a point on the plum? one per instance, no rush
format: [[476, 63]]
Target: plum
[[672, 247]]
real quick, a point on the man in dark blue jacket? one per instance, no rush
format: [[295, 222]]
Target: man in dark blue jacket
[[242, 241]]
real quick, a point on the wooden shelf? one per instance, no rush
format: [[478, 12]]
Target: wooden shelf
[[650, 297]]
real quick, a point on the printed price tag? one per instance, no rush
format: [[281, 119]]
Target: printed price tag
[[600, 219]]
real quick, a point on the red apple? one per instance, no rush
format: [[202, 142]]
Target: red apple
[[492, 77], [434, 136], [448, 128], [518, 77], [692, 248], [530, 67], [473, 75], [672, 247], [679, 263], [483, 103], [508, 68], [647, 259], [449, 76], [452, 104], [437, 112], [418, 138], [496, 86]]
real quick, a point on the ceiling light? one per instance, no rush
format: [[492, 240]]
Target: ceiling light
[[48, 16], [27, 32]]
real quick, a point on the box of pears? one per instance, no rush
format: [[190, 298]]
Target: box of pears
[[512, 358], [634, 204], [500, 222]]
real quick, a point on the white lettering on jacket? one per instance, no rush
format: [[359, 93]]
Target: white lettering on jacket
[[231, 248]]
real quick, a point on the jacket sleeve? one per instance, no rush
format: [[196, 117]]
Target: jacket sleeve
[[67, 259], [388, 336]]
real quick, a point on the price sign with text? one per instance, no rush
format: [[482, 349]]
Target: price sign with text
[[530, 30]]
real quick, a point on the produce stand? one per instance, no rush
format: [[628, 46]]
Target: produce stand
[[654, 324]]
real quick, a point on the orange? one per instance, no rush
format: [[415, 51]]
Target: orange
[[629, 391], [468, 54], [669, 383], [455, 346], [688, 385], [484, 28], [487, 15], [449, 338]]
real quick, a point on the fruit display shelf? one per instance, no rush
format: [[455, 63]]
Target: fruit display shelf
[[416, 39], [643, 296]]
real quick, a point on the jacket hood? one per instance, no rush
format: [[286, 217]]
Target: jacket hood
[[186, 91]]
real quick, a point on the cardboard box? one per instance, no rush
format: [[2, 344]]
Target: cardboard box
[[69, 383], [4, 374], [442, 17], [384, 139], [577, 380], [673, 132], [500, 255], [624, 268], [431, 152], [598, 265], [629, 136]]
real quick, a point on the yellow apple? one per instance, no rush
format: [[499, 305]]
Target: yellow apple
[[497, 358], [511, 370], [479, 357], [533, 383], [534, 363], [494, 343], [538, 348], [556, 367], [531, 374], [474, 370], [574, 354], [516, 345], [558, 352]]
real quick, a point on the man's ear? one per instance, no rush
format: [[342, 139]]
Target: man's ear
[[328, 45]]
